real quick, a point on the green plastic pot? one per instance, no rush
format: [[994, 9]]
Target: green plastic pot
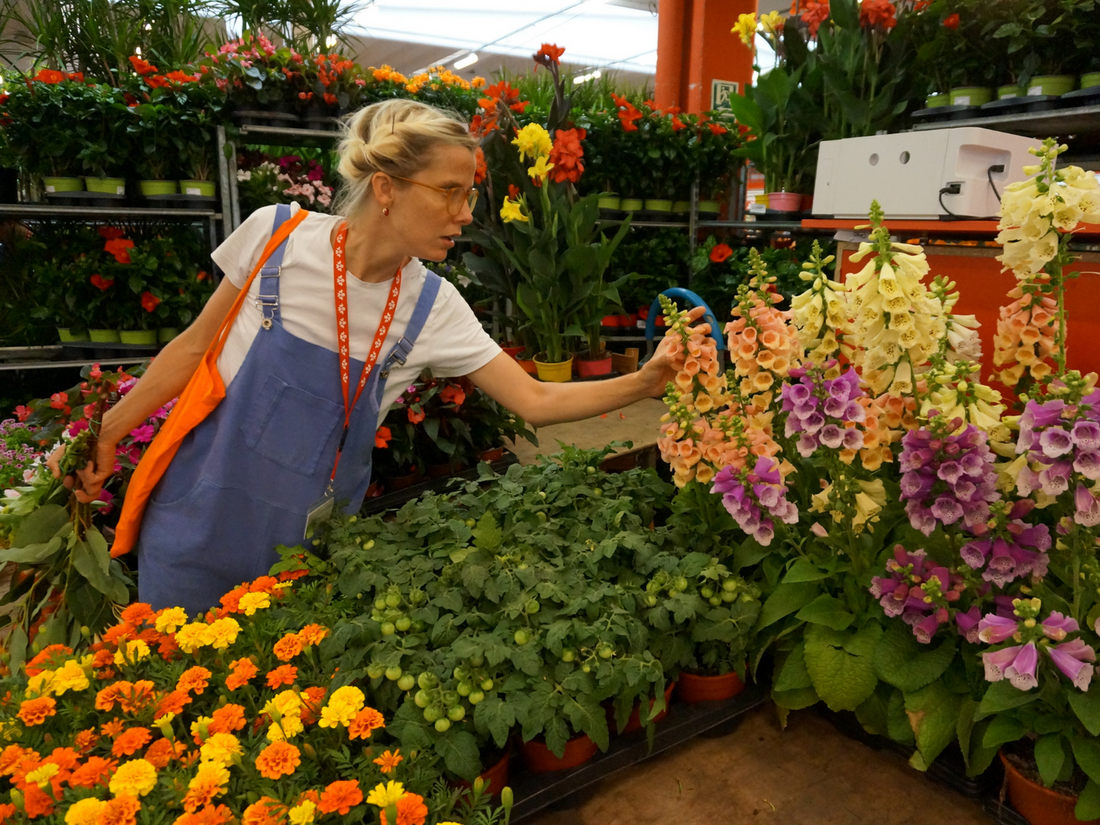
[[1006, 92], [106, 186], [658, 205], [1051, 84], [971, 96], [104, 336], [609, 201], [138, 336], [56, 185], [1090, 80], [67, 335], [681, 207], [630, 204], [205, 188], [709, 207], [159, 187], [936, 101], [166, 334]]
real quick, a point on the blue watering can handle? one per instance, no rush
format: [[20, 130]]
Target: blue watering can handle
[[679, 293]]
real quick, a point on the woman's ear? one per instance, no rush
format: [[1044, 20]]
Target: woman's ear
[[383, 189]]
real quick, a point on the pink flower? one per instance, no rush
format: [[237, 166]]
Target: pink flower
[[994, 629], [142, 434], [1057, 627], [78, 426], [59, 400], [23, 413], [1070, 658], [1017, 664], [1088, 507]]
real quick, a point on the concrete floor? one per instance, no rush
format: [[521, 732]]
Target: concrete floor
[[638, 423], [809, 774]]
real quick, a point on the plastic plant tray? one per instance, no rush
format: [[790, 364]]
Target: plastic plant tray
[[1003, 813], [534, 792], [394, 500]]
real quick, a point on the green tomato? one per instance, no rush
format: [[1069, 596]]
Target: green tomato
[[476, 697], [393, 600], [478, 660], [369, 545], [681, 584], [375, 670], [715, 600], [421, 699], [464, 689], [425, 680], [541, 516], [606, 653], [431, 714], [403, 624], [522, 566], [456, 714], [471, 523], [590, 470], [728, 597], [486, 684], [394, 673], [568, 655], [542, 495], [651, 600], [443, 725], [388, 629], [407, 682], [380, 603], [418, 626], [729, 585], [586, 669], [450, 698], [706, 592], [746, 597], [597, 492], [522, 637], [533, 607]]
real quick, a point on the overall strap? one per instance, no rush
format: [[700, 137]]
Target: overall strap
[[400, 352], [267, 298]]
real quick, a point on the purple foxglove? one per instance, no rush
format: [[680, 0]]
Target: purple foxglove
[[853, 438], [964, 490], [1022, 670], [813, 422], [1087, 463], [1086, 434], [1057, 627], [994, 629], [795, 394], [1027, 481], [855, 412], [819, 530], [1055, 442], [766, 494], [973, 465], [976, 516], [835, 407], [1039, 416], [806, 444], [974, 553], [967, 623], [947, 510], [920, 517], [831, 436], [1055, 478], [1071, 658], [950, 471], [926, 628], [1020, 508], [1088, 507], [998, 661], [916, 485]]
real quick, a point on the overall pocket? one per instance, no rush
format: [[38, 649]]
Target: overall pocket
[[292, 427]]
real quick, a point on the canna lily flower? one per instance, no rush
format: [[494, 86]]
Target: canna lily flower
[[951, 21], [533, 141], [540, 171], [549, 54], [772, 23], [745, 28], [511, 211]]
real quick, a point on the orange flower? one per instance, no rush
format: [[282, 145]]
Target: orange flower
[[96, 771], [227, 719], [313, 634], [389, 761], [720, 253], [173, 702], [133, 698], [119, 247], [566, 155], [411, 810], [482, 169], [312, 699], [101, 282], [138, 612], [243, 671], [452, 394], [278, 759], [141, 66], [266, 811], [951, 21], [282, 675], [182, 77], [131, 741], [149, 301], [106, 698], [112, 728], [814, 15], [340, 796], [49, 76], [11, 757], [382, 438], [548, 54], [194, 680], [85, 740], [414, 416], [160, 753], [49, 658], [122, 810], [513, 191], [365, 721], [37, 802], [627, 113], [288, 647], [878, 13], [35, 711]]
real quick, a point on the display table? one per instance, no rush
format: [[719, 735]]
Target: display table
[[965, 252]]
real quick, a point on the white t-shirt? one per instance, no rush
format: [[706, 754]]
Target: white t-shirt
[[451, 343]]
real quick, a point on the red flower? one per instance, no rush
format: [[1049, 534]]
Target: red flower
[[156, 81], [149, 301], [720, 253], [566, 155], [482, 169], [452, 395], [182, 77], [202, 275], [330, 99], [101, 282], [814, 15], [952, 21], [520, 106], [878, 13], [382, 438], [58, 401], [109, 233], [921, 5], [141, 66], [119, 248], [548, 54], [513, 191], [23, 413], [627, 113], [78, 77], [49, 76], [717, 128], [415, 417]]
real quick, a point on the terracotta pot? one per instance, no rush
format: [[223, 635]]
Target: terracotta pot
[[539, 758], [635, 721], [401, 482], [495, 778], [528, 366], [512, 351], [444, 470], [495, 454], [589, 367], [695, 687], [374, 489], [1037, 804]]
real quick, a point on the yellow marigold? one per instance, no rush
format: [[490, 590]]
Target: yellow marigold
[[131, 651], [134, 778], [70, 676], [342, 707], [251, 602], [169, 619], [386, 794], [223, 748], [192, 636], [286, 728], [477, 82], [200, 728], [303, 814], [84, 811], [283, 703], [43, 774], [208, 783], [222, 633], [41, 684]]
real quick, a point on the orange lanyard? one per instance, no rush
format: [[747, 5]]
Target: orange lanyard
[[340, 288]]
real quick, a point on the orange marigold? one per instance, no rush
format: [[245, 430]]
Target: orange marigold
[[137, 613], [173, 702], [106, 698], [389, 760], [312, 699], [131, 741], [227, 719], [96, 771], [365, 721], [36, 711], [266, 811], [10, 758], [340, 796], [112, 728], [160, 753], [278, 759], [48, 658], [122, 810], [288, 647], [282, 675], [194, 680], [133, 698], [86, 739], [312, 634], [243, 670], [37, 802], [411, 810]]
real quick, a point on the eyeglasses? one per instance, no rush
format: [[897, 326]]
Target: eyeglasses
[[456, 195]]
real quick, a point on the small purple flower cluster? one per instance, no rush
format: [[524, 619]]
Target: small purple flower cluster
[[1065, 439], [823, 411], [918, 590], [947, 476], [18, 451], [1019, 663], [1007, 547], [755, 498]]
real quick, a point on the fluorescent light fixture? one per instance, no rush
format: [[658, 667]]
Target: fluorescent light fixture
[[331, 41], [468, 60], [582, 78]]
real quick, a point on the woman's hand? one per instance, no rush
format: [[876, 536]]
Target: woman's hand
[[87, 483], [662, 367]]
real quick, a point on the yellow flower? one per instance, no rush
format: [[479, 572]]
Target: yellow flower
[[222, 633], [84, 811], [772, 22], [42, 775], [303, 814], [251, 602], [541, 169], [70, 676], [171, 619], [191, 637], [533, 140], [134, 778], [223, 748], [131, 652], [869, 501], [342, 706], [385, 795], [284, 703], [41, 684], [286, 728], [200, 727], [210, 772], [511, 211], [745, 28]]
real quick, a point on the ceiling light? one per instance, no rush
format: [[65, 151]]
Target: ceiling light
[[331, 41], [468, 60]]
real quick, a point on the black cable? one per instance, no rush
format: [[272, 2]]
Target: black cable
[[953, 190], [992, 185]]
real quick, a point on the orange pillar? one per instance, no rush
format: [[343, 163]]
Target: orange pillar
[[695, 47]]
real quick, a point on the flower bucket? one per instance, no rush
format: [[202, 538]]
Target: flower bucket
[[784, 201], [694, 687], [1051, 84], [166, 334], [539, 758], [202, 188], [630, 204], [1038, 804], [971, 96], [1006, 92], [556, 372], [1090, 80], [635, 721], [159, 187], [936, 101], [495, 778], [55, 186], [138, 336], [66, 335], [609, 201], [709, 207], [104, 336], [586, 368], [495, 454], [106, 186]]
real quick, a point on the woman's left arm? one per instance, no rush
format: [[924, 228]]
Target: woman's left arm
[[541, 403]]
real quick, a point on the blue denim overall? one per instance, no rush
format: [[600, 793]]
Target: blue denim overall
[[245, 477]]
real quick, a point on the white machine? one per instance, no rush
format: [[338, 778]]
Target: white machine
[[927, 175]]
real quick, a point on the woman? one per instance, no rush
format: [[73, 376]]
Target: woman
[[289, 437]]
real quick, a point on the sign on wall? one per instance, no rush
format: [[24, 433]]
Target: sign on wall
[[720, 91]]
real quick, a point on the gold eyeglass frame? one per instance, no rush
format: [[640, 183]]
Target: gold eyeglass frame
[[470, 194]]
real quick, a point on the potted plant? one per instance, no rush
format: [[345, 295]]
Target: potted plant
[[263, 83], [104, 148], [490, 424], [156, 127], [200, 115], [42, 130]]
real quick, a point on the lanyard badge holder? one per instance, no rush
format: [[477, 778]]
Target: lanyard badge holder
[[321, 510]]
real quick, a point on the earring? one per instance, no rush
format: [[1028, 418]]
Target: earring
[[386, 211]]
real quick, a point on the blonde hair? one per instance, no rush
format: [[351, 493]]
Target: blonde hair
[[396, 137]]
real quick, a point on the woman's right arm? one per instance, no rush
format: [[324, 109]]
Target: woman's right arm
[[165, 379]]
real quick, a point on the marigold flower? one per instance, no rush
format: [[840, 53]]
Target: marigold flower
[[242, 672], [194, 680], [192, 636], [288, 647], [222, 633], [278, 759], [266, 811], [365, 721], [209, 783], [84, 811], [340, 797], [251, 602], [134, 778], [227, 719], [389, 760], [282, 675], [223, 748], [313, 634], [131, 741], [34, 712], [95, 771]]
